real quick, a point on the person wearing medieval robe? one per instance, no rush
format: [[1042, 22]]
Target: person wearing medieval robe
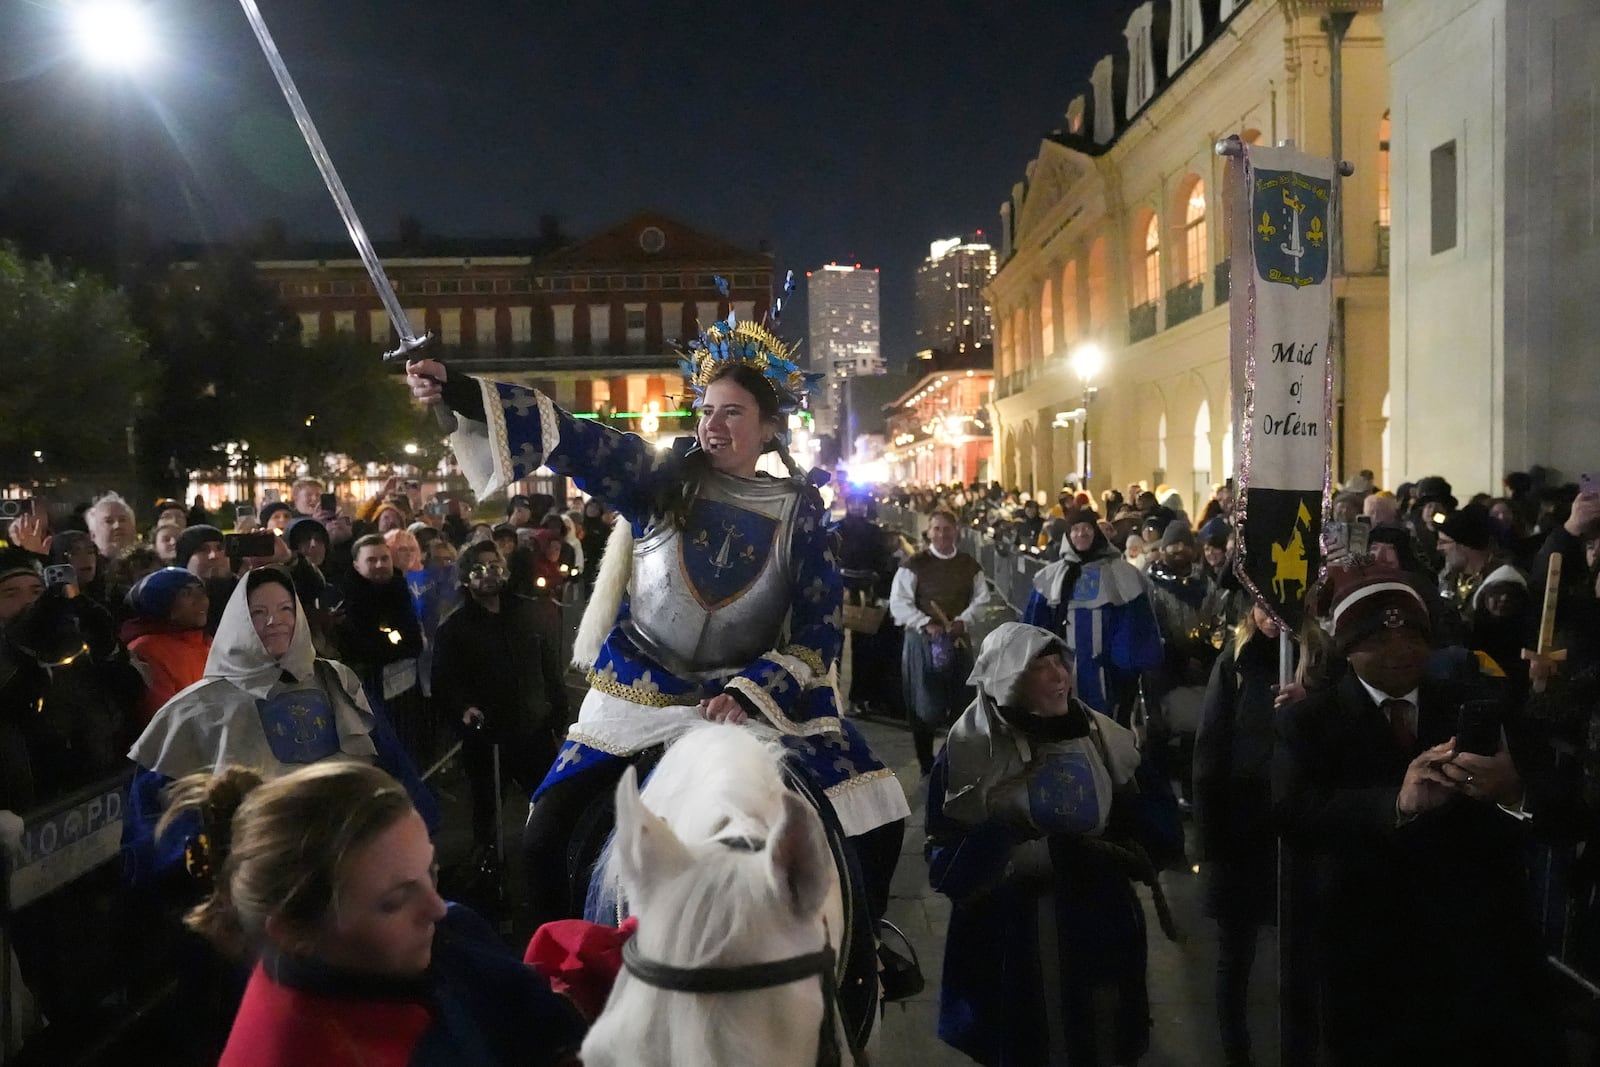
[[1097, 602], [266, 702], [936, 596], [1030, 827], [732, 610]]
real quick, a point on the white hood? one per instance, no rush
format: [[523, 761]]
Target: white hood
[[216, 721], [983, 750], [238, 655]]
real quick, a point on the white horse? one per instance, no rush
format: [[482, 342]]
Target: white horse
[[732, 881]]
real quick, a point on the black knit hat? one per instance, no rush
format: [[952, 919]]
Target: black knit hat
[[1471, 526], [1434, 490], [273, 508], [15, 561], [191, 540], [1177, 532], [304, 529]]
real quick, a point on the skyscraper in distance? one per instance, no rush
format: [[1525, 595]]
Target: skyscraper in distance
[[950, 304], [842, 335]]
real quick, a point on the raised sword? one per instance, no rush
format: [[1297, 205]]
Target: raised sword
[[409, 341]]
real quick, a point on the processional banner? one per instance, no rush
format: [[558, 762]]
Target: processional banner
[[1281, 213]]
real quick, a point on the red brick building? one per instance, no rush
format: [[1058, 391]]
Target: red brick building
[[593, 324]]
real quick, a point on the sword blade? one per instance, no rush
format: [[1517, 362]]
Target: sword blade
[[330, 177]]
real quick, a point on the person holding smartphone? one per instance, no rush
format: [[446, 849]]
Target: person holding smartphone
[[1415, 844]]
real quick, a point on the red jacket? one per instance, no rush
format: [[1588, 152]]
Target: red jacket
[[477, 1006], [278, 1026], [173, 658]]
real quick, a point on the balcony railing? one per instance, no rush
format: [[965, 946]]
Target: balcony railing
[[1183, 302], [1219, 282], [1142, 322]]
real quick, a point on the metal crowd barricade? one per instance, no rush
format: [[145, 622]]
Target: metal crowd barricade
[[60, 842], [1012, 572]]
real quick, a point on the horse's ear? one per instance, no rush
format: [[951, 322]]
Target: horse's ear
[[802, 865], [645, 847]]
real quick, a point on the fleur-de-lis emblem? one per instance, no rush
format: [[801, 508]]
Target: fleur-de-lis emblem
[[1316, 233], [1267, 230], [521, 401], [527, 457]]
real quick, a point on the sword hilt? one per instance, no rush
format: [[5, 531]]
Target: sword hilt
[[408, 345]]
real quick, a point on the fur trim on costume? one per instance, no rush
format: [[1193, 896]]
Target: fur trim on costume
[[616, 571]]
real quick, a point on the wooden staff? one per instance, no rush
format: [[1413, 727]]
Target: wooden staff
[[1544, 656]]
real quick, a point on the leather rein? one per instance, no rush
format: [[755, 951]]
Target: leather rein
[[749, 977]]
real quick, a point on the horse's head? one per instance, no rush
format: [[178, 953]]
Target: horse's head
[[755, 877], [761, 888]]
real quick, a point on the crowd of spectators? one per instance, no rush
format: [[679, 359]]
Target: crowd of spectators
[[108, 616], [1433, 763]]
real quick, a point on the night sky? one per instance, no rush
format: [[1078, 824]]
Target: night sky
[[838, 131]]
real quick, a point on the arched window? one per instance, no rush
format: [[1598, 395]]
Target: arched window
[[1150, 263], [1019, 330], [1069, 303], [1006, 343], [1195, 257], [1047, 321], [1161, 443], [1383, 170], [1202, 453], [1099, 296]]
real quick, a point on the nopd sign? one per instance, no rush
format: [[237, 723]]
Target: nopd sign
[[66, 840]]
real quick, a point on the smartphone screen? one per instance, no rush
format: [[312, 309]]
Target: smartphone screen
[[1478, 728], [328, 502], [1360, 536], [1588, 483], [242, 545], [244, 511]]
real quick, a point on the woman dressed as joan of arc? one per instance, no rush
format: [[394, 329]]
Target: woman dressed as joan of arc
[[732, 610]]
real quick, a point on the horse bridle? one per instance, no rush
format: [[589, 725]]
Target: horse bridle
[[749, 977]]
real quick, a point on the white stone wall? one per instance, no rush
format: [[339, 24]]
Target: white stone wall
[[1493, 366]]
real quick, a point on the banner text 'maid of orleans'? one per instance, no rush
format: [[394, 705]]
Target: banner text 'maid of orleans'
[[1281, 211]]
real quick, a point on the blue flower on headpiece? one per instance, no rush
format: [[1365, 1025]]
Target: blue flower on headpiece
[[722, 284]]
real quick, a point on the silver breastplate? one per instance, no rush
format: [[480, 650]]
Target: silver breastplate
[[710, 597]]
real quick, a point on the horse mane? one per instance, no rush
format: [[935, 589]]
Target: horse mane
[[721, 792], [713, 782]]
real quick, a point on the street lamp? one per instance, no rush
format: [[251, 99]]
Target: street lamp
[[1086, 361], [114, 34], [116, 37]]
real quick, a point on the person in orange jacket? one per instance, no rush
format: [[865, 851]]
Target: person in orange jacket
[[166, 634]]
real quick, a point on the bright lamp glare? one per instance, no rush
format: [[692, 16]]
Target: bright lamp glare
[[1087, 361], [114, 34]]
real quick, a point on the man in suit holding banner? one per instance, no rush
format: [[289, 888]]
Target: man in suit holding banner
[[1404, 845]]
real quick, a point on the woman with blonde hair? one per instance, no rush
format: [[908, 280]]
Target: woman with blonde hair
[[327, 879], [405, 550]]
